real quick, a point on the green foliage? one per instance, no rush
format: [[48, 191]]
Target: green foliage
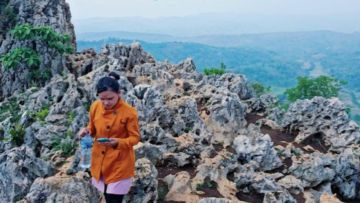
[[42, 113], [260, 89], [188, 129], [38, 76], [2, 132], [297, 152], [7, 17], [163, 189], [348, 110], [10, 108], [308, 88], [280, 152], [215, 71], [58, 42], [67, 145], [87, 105], [61, 43], [17, 134], [70, 117], [207, 184], [20, 55]]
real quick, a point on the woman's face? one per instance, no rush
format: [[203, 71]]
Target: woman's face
[[108, 99]]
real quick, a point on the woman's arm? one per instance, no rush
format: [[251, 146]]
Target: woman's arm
[[132, 127], [91, 126]]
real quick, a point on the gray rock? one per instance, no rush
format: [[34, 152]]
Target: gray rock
[[227, 117], [313, 169], [256, 182], [347, 168], [144, 188], [62, 190], [18, 169], [282, 196], [235, 83], [292, 184], [46, 134], [147, 101], [54, 14], [149, 151], [325, 116], [214, 200], [30, 140], [253, 146], [262, 103]]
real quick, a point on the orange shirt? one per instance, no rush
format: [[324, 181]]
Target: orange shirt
[[121, 123]]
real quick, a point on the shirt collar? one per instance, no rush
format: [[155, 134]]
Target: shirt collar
[[115, 109]]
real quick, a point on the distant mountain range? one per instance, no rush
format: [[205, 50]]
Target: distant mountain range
[[274, 59], [220, 23], [272, 56]]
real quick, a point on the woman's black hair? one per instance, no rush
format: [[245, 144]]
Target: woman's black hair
[[108, 83]]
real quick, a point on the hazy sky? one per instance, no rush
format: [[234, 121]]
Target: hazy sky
[[159, 8]]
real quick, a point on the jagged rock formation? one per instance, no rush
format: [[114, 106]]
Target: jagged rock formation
[[55, 14], [324, 119], [203, 138], [19, 167], [198, 136]]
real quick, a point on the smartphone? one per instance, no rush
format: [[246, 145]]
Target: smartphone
[[103, 139]]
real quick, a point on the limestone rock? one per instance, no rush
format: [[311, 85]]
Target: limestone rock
[[292, 184], [325, 116], [237, 84], [144, 188], [282, 196], [62, 189], [262, 103], [313, 169], [55, 14], [253, 146], [18, 169], [180, 189]]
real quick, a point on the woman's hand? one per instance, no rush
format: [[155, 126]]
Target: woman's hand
[[112, 143], [83, 132]]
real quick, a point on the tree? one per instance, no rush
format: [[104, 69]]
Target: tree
[[308, 88], [260, 89], [215, 71]]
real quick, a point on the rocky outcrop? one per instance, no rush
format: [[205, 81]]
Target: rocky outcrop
[[55, 14], [19, 167], [62, 189], [263, 103], [324, 120], [339, 170], [202, 137], [144, 188], [253, 147]]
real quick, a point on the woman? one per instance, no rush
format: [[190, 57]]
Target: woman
[[112, 162]]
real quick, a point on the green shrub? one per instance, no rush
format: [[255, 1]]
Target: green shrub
[[67, 145], [188, 129], [71, 116], [7, 17], [215, 71], [308, 88], [15, 57], [20, 55], [206, 184], [61, 43], [17, 133], [42, 113], [11, 109], [2, 132], [260, 89], [39, 76]]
